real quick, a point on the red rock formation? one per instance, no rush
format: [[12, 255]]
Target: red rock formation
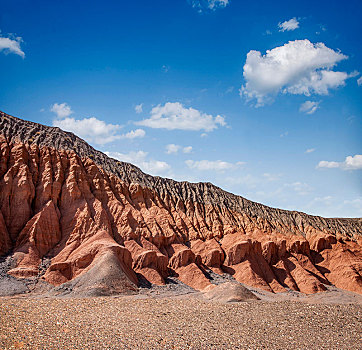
[[101, 222]]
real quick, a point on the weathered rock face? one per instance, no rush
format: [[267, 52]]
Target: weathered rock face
[[103, 223]]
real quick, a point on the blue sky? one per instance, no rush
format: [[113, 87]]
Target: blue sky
[[263, 99]]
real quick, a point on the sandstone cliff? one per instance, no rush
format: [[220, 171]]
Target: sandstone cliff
[[75, 218]]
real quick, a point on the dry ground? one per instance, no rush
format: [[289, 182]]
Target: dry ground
[[176, 323]]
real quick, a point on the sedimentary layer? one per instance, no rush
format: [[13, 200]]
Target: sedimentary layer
[[71, 216]]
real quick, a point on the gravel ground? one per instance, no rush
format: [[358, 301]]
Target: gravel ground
[[184, 323]]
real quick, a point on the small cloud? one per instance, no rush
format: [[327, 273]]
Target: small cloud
[[292, 24], [172, 148], [212, 5], [268, 32], [187, 149], [174, 116], [207, 165], [359, 81], [42, 110], [203, 135], [310, 150], [309, 107], [327, 164], [284, 134], [139, 108], [354, 74], [11, 44], [350, 163], [165, 68], [62, 110], [133, 134], [139, 158]]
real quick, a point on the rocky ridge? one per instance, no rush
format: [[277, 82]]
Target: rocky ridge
[[103, 226]]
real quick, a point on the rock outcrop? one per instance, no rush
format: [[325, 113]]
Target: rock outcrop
[[104, 225]]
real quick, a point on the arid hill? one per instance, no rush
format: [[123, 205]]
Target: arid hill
[[73, 218]]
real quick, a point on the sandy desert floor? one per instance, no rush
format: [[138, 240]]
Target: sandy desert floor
[[183, 322]]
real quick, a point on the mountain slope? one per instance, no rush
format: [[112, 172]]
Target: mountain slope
[[69, 215]]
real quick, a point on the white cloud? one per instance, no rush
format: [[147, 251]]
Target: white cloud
[[172, 148], [292, 24], [209, 4], [214, 4], [138, 133], [310, 150], [309, 107], [139, 158], [173, 115], [286, 133], [326, 164], [91, 129], [139, 108], [298, 67], [11, 45], [217, 165], [62, 110], [187, 149], [350, 163], [353, 163], [359, 81]]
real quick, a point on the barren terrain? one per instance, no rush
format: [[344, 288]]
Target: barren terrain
[[178, 323]]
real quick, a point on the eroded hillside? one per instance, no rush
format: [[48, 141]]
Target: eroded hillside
[[71, 216]]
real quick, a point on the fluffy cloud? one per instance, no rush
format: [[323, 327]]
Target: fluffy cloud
[[133, 134], [298, 67], [173, 115], [292, 24], [62, 110], [310, 150], [173, 149], [208, 4], [11, 45], [91, 129], [139, 108], [217, 165], [309, 107], [350, 163], [139, 158]]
